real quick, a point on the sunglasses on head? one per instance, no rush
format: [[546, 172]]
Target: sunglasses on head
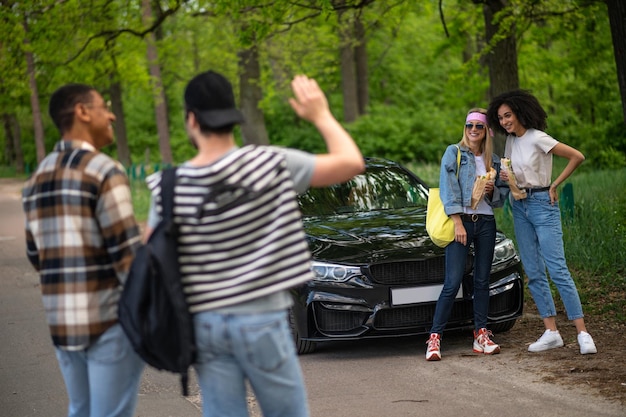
[[478, 126]]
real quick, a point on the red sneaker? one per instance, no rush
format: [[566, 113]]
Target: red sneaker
[[432, 352], [483, 343]]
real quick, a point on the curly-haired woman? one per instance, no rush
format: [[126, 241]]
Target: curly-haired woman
[[537, 217]]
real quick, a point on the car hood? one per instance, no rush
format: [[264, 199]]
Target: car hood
[[370, 237]]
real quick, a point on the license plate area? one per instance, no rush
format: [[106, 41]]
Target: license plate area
[[416, 295]]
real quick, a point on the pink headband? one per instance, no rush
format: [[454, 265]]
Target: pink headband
[[477, 116], [481, 117]]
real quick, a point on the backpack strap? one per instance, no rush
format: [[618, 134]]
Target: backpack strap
[[168, 182], [458, 160]]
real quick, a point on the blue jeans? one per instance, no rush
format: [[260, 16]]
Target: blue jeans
[[540, 242], [102, 380], [483, 234], [257, 348]]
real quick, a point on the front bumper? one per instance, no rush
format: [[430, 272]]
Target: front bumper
[[323, 314]]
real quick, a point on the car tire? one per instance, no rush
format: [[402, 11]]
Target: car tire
[[303, 347], [505, 326]]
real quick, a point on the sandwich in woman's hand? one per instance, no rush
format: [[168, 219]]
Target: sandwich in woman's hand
[[478, 192], [518, 193]]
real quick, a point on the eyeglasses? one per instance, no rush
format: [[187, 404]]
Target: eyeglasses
[[478, 126], [106, 106]]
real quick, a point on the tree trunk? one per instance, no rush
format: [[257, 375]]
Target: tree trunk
[[9, 154], [362, 77], [17, 144], [250, 94], [121, 141], [13, 146], [347, 62], [348, 84], [40, 145], [617, 19], [160, 103], [502, 61]]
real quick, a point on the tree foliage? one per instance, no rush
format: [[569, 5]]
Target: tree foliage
[[423, 72]]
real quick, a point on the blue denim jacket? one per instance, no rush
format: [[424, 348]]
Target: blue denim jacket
[[457, 193]]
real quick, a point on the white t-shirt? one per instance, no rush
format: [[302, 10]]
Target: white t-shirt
[[483, 207], [531, 158]]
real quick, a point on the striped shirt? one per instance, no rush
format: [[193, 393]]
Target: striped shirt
[[241, 235], [81, 236]]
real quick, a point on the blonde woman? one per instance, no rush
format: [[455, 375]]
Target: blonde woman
[[471, 225]]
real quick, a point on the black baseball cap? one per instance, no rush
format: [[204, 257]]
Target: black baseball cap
[[210, 97]]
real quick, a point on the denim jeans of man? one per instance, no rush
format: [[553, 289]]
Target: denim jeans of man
[[103, 380], [483, 234], [540, 243], [236, 349]]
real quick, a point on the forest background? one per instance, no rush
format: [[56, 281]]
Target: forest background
[[400, 75]]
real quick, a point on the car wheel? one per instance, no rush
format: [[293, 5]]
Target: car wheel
[[302, 346], [505, 326]]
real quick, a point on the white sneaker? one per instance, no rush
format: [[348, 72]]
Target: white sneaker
[[586, 343], [548, 340]]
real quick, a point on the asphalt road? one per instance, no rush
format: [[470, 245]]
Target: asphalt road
[[366, 379]]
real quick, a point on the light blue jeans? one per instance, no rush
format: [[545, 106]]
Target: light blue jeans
[[103, 380], [258, 348], [540, 242]]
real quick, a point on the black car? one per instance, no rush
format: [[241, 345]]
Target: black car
[[377, 273]]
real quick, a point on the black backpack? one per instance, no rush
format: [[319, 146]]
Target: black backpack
[[152, 309]]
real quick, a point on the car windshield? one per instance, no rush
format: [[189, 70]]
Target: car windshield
[[379, 188]]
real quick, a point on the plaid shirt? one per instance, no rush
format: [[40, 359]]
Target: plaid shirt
[[81, 236]]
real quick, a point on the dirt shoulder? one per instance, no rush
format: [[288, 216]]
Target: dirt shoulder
[[604, 371], [11, 186]]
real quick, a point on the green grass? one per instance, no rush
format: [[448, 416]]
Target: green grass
[[595, 240], [429, 173], [141, 199], [9, 172]]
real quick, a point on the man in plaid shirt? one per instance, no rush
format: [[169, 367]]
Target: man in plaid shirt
[[81, 236]]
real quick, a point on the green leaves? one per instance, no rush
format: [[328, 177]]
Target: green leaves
[[422, 78]]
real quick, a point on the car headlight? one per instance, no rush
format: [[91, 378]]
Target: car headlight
[[333, 273], [504, 251]]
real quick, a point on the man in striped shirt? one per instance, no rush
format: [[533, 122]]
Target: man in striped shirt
[[242, 246], [81, 236]]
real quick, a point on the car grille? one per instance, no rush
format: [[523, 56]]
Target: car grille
[[333, 321], [462, 311], [419, 315], [507, 302], [411, 272], [345, 322]]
